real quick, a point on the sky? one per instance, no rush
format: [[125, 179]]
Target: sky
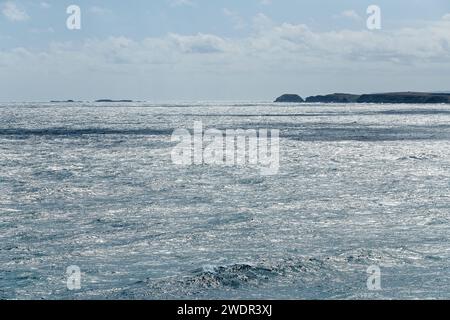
[[191, 50]]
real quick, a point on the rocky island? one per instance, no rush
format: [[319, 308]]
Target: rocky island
[[294, 98], [390, 97]]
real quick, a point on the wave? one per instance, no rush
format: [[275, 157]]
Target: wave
[[324, 277]]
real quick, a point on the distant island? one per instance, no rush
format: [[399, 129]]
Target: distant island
[[100, 100], [65, 101], [115, 101], [390, 97]]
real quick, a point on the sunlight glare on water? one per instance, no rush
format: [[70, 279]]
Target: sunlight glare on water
[[93, 185]]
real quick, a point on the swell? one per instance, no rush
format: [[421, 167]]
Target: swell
[[324, 277]]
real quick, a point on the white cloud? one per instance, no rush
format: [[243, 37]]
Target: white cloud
[[43, 30], [45, 5], [200, 43], [238, 21], [12, 12], [292, 43], [351, 14], [276, 51], [262, 22], [179, 3], [99, 10]]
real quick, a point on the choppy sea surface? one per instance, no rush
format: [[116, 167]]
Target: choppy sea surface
[[93, 185]]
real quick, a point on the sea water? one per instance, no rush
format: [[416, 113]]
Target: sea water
[[94, 186]]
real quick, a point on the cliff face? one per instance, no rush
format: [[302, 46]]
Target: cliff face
[[294, 98]]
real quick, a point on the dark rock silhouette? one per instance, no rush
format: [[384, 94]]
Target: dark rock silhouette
[[335, 97], [293, 98], [405, 97], [389, 97]]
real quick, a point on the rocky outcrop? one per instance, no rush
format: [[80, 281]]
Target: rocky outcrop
[[292, 98]]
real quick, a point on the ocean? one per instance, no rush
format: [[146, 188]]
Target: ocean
[[93, 185]]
